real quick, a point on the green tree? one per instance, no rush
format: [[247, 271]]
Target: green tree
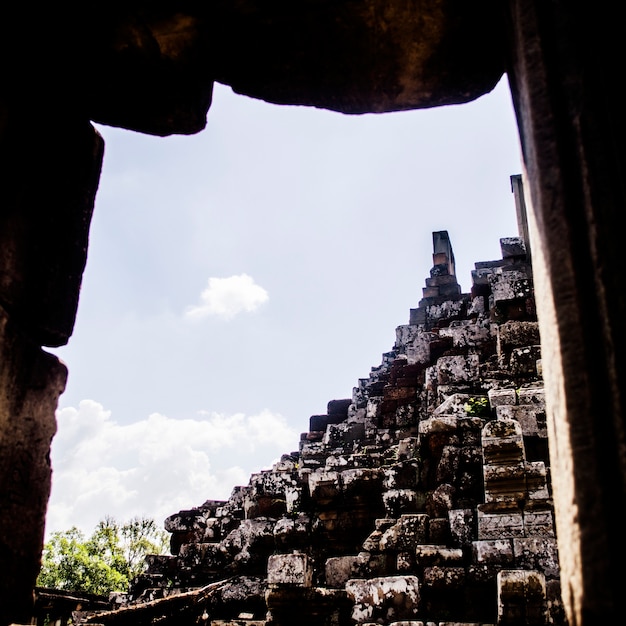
[[106, 561], [141, 536]]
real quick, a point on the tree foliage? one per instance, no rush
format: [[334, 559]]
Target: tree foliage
[[106, 561]]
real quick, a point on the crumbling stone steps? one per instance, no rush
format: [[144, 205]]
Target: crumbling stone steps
[[423, 499]]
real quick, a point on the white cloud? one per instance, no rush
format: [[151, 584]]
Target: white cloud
[[156, 466], [226, 297]]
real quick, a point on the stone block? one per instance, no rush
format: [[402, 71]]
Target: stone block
[[537, 553], [437, 555], [502, 397], [493, 552], [502, 442], [417, 347], [408, 448], [289, 569], [408, 532], [383, 598], [523, 361], [439, 280], [406, 415], [499, 525], [443, 392], [448, 310], [402, 475], [470, 460], [238, 622], [505, 483], [417, 316], [440, 501], [439, 531], [405, 335], [480, 276], [339, 407], [324, 486], [532, 395], [467, 335], [430, 292], [430, 379], [469, 431], [363, 482], [271, 484], [309, 606], [157, 563], [191, 555], [184, 521], [320, 422], [405, 563], [538, 524], [401, 393], [293, 499], [48, 187], [516, 334], [264, 506], [521, 598], [251, 539], [399, 501], [373, 565], [446, 579], [448, 466], [439, 424], [456, 369], [512, 247], [285, 465], [537, 481], [509, 285], [527, 416], [338, 570], [453, 405], [462, 526], [372, 542], [338, 435], [289, 532], [372, 410], [476, 305], [312, 450], [556, 608]]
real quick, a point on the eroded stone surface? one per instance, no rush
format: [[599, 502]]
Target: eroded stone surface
[[381, 518]]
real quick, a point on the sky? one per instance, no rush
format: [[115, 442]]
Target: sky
[[239, 279]]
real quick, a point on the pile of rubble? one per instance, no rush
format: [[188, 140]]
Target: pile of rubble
[[423, 499]]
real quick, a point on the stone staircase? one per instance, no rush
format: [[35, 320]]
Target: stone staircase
[[423, 499]]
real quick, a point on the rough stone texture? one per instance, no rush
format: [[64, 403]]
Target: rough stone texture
[[289, 569], [521, 598], [47, 189], [32, 380], [48, 180], [560, 59], [150, 67], [402, 520], [156, 64], [383, 598]]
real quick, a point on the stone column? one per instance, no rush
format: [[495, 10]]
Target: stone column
[[48, 180], [31, 382], [563, 60]]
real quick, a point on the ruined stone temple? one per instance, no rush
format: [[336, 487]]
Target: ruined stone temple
[[423, 498], [150, 67]]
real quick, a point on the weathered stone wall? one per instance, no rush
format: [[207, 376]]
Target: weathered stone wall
[[425, 497], [150, 66], [48, 181]]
